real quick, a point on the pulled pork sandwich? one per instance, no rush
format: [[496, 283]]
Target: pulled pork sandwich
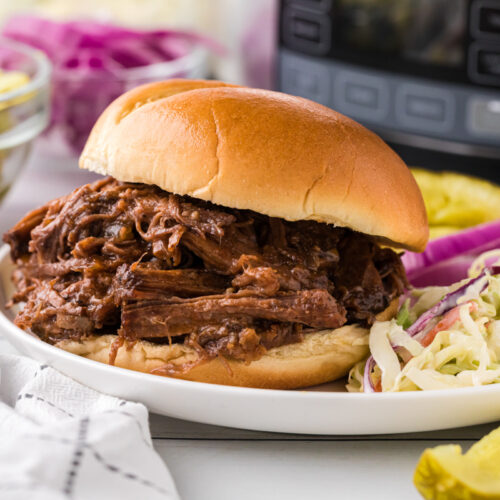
[[237, 241]]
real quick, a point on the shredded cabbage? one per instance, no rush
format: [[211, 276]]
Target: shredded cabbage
[[448, 258], [460, 348]]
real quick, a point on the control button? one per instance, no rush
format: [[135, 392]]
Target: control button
[[489, 20], [306, 31], [430, 108], [425, 108], [485, 19], [322, 5], [483, 116], [484, 64], [488, 62], [361, 96], [305, 79]]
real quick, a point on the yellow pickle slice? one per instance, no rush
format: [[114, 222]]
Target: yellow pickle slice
[[444, 473]]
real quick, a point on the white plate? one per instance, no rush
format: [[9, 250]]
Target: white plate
[[323, 410]]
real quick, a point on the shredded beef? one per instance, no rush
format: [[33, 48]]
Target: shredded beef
[[158, 318], [135, 260]]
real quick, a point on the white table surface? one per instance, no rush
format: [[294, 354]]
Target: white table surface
[[209, 462]]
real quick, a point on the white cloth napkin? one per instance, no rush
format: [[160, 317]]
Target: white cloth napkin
[[62, 440]]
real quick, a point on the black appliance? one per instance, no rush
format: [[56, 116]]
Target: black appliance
[[424, 74]]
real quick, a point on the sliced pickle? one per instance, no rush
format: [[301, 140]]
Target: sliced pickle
[[444, 473], [454, 201]]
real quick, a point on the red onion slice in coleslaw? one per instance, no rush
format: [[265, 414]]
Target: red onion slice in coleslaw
[[448, 302], [367, 380]]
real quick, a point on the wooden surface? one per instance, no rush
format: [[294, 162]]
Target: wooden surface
[[209, 462]]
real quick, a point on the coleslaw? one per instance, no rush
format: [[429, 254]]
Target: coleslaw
[[442, 337]]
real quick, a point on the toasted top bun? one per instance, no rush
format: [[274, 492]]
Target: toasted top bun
[[320, 357], [273, 153]]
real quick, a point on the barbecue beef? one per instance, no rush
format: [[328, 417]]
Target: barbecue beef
[[134, 260]]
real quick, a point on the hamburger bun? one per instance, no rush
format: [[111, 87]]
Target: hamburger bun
[[273, 153], [321, 357]]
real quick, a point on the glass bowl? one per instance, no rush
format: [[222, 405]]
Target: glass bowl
[[24, 111], [81, 97]]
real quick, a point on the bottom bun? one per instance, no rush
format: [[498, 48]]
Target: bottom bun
[[320, 357]]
